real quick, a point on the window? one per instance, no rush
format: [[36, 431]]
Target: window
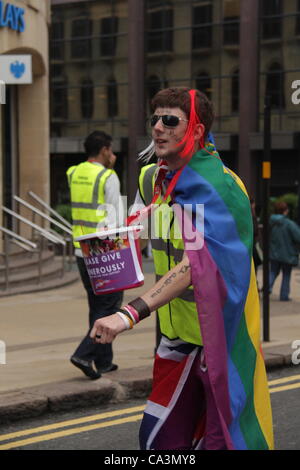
[[112, 98], [202, 30], [231, 26], [231, 30], [235, 91], [57, 45], [108, 41], [158, 39], [87, 98], [156, 3], [56, 71], [59, 101], [275, 86], [203, 83], [298, 18], [81, 46], [153, 86], [272, 22]]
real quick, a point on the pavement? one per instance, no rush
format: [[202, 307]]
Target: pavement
[[41, 330]]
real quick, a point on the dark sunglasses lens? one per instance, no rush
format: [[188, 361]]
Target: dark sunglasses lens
[[170, 121], [154, 120]]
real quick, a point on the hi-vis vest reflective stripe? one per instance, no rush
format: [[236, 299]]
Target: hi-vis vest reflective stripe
[[179, 318], [87, 182]]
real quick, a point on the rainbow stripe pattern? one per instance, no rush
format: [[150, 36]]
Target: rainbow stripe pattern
[[227, 300]]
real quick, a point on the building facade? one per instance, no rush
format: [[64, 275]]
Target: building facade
[[24, 119], [205, 44]]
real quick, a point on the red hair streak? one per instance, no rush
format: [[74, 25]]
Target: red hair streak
[[188, 140]]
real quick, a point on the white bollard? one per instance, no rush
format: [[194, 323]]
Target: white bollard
[[2, 92], [2, 352], [296, 354]]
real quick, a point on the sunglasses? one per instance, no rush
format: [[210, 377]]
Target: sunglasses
[[168, 120]]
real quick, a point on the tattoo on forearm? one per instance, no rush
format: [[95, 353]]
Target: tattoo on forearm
[[184, 268], [166, 283], [169, 279]]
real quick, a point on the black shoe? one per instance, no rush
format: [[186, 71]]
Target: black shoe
[[110, 368], [86, 368]]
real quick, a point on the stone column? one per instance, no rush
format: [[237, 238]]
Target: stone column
[[1, 176], [249, 68], [34, 137], [136, 84]]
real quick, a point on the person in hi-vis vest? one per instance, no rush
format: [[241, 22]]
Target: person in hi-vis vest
[[94, 187], [209, 388]]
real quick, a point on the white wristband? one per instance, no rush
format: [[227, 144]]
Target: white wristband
[[125, 320]]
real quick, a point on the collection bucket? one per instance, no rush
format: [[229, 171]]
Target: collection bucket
[[113, 259]]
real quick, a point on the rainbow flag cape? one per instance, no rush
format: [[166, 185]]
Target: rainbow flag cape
[[227, 300], [225, 291]]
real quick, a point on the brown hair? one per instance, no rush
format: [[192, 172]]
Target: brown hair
[[178, 97], [280, 207]]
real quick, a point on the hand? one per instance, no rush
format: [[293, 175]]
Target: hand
[[108, 328]]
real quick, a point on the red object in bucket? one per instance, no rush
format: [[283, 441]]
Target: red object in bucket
[[113, 259]]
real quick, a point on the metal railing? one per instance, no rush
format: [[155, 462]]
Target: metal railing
[[42, 214], [21, 241], [49, 208], [43, 234], [67, 238]]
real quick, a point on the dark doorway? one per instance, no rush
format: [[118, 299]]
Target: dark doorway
[[10, 154]]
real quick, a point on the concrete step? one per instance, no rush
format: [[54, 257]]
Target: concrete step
[[27, 262], [69, 278], [15, 252], [50, 271]]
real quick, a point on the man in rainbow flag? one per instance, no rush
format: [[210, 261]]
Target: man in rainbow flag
[[209, 386]]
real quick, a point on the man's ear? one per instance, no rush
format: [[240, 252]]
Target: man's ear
[[199, 132], [103, 150]]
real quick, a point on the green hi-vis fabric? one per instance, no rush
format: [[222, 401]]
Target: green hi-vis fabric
[[87, 182], [179, 318]]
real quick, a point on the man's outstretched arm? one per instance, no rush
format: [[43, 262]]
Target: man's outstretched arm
[[167, 288]]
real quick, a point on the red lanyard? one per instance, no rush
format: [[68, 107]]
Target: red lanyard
[[141, 215]]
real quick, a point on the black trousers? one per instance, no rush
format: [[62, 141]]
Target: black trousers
[[99, 306]]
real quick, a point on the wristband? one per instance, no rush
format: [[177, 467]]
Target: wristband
[[126, 320], [131, 313], [141, 307]]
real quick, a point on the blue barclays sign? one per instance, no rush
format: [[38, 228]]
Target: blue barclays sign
[[12, 17], [16, 69]]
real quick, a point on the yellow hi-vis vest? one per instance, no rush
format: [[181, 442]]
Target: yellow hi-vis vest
[[86, 182], [179, 318]]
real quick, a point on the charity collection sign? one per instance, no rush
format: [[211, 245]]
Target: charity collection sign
[[16, 69], [113, 259]]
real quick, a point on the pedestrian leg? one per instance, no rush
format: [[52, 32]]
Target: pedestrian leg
[[179, 429], [99, 306], [274, 271], [285, 283]]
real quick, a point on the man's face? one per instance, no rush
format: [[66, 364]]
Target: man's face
[[110, 157], [166, 139]]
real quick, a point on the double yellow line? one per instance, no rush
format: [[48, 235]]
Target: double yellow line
[[76, 426], [69, 432], [282, 388]]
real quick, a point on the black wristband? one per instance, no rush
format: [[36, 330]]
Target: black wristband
[[141, 307]]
